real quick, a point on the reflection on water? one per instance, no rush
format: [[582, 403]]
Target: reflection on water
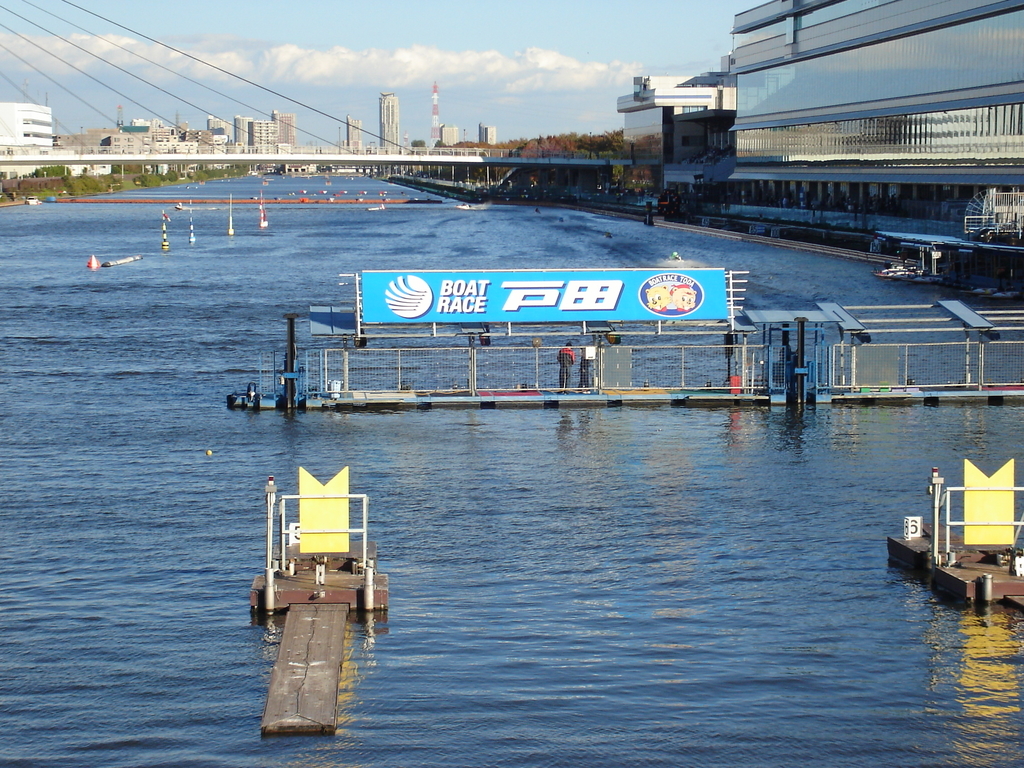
[[987, 687]]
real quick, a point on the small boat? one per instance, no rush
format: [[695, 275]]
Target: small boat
[[906, 273], [179, 207], [376, 208], [30, 200], [470, 207]]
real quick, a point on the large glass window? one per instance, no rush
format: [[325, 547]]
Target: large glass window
[[983, 135], [837, 11], [979, 53]]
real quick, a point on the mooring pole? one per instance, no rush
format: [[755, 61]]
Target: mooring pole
[[289, 364], [936, 491], [801, 365], [269, 599], [368, 586]]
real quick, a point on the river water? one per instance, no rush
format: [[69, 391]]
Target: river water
[[635, 586]]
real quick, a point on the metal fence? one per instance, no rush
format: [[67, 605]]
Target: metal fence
[[737, 367], [964, 365]]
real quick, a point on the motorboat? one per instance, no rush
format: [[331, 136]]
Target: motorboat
[[30, 200]]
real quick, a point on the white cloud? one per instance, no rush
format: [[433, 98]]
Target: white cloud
[[531, 70]]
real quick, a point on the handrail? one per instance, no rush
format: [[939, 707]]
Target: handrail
[[282, 521]]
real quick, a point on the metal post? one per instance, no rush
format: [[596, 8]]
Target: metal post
[[368, 587], [984, 588], [936, 491], [289, 364], [801, 364], [269, 600], [282, 552]]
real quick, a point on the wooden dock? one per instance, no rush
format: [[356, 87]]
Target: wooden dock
[[961, 580], [303, 694]]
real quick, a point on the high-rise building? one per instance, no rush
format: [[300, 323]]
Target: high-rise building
[[264, 133], [354, 136], [488, 134], [449, 135], [435, 120], [220, 127], [243, 130], [285, 127], [390, 135]]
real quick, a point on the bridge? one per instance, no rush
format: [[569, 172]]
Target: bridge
[[419, 157]]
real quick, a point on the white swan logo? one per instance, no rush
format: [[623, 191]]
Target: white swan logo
[[409, 297]]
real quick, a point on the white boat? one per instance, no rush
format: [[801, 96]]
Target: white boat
[[33, 201], [471, 207], [377, 208]]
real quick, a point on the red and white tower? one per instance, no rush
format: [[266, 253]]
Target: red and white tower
[[435, 120]]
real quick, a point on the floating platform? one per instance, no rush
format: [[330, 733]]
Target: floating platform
[[342, 586], [303, 695], [612, 398], [962, 580]]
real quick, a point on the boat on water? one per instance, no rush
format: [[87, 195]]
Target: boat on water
[[31, 200], [905, 272], [471, 207], [377, 208]]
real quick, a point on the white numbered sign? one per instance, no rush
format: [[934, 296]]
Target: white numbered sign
[[913, 527]]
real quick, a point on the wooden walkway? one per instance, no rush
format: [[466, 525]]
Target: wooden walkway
[[303, 693]]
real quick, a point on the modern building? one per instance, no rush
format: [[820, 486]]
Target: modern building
[[487, 134], [264, 133], [25, 125], [354, 134], [449, 135], [243, 130], [390, 135], [882, 106], [219, 127], [285, 127], [671, 123]]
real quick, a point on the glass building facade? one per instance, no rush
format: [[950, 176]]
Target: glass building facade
[[880, 92], [986, 52]]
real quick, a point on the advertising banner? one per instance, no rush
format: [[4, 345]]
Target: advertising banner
[[544, 296]]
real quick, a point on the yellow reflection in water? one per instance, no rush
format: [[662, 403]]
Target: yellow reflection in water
[[988, 689]]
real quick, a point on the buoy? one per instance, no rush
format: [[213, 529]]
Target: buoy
[[94, 263], [209, 452]]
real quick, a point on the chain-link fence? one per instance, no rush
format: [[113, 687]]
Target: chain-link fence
[[484, 368], [964, 365]]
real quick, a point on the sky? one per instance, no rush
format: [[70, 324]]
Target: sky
[[528, 67]]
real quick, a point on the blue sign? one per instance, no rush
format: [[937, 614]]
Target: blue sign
[[542, 296]]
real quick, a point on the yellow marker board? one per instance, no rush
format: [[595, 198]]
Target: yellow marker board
[[323, 514], [988, 506]]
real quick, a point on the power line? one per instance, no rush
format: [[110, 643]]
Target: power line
[[167, 69], [39, 71], [229, 73]]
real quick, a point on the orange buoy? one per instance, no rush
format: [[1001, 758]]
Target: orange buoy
[[94, 263]]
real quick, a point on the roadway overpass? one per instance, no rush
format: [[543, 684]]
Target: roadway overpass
[[322, 156]]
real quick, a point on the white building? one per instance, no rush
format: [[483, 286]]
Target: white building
[[488, 134], [264, 133], [354, 135], [285, 127], [449, 134], [25, 125], [390, 134], [243, 130]]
